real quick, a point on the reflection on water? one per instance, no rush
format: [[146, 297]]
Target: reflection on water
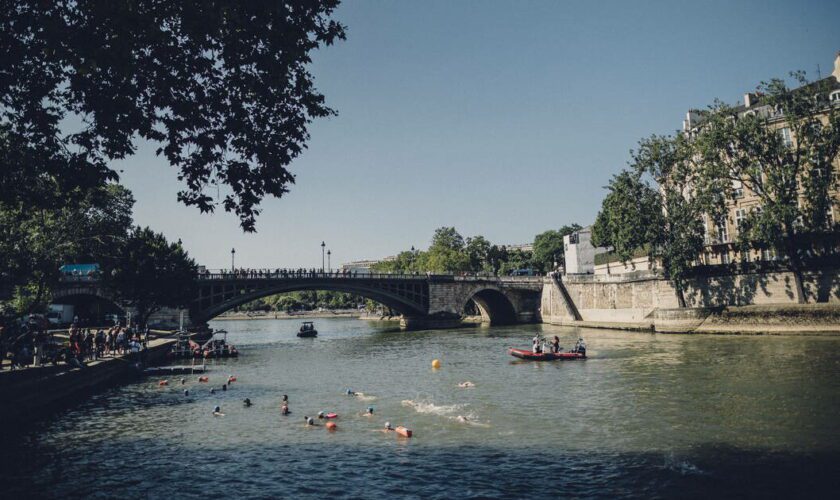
[[646, 414]]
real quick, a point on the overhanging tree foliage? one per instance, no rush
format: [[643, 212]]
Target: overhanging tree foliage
[[222, 87]]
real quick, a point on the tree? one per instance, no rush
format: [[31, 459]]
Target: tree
[[446, 253], [516, 259], [785, 155], [548, 247], [222, 87], [153, 273], [37, 241], [477, 249], [686, 199], [630, 216]]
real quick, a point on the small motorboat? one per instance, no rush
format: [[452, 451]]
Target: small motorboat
[[307, 330], [545, 356], [184, 347], [217, 347]]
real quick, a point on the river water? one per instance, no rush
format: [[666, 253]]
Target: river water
[[646, 416]]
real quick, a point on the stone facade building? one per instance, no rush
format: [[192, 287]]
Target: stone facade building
[[720, 246]]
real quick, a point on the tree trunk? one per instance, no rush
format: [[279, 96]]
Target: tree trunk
[[680, 295], [796, 269]]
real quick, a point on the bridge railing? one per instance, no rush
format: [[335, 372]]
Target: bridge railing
[[226, 274]]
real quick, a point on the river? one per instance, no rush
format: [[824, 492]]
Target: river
[[645, 416]]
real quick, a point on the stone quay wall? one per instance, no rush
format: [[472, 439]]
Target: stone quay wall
[[753, 302]]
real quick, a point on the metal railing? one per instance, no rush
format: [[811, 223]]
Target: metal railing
[[249, 274]]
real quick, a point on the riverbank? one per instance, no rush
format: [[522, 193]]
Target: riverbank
[[33, 392], [348, 313], [778, 319]]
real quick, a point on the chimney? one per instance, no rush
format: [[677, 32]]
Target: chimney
[[836, 72], [750, 99]]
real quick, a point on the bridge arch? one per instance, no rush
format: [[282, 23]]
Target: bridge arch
[[207, 306], [91, 301], [495, 306]]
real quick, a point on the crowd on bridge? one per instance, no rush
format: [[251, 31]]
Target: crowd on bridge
[[247, 273], [280, 273]]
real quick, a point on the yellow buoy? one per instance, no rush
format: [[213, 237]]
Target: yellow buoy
[[435, 363]]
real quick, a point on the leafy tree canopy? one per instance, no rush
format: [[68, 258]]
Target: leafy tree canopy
[[221, 86], [548, 247], [153, 273]]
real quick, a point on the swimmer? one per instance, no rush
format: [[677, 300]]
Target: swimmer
[[462, 419], [321, 415], [183, 381], [368, 412], [247, 402], [350, 393], [212, 391], [217, 412], [285, 399], [284, 410], [309, 421], [224, 387], [186, 392], [388, 427], [466, 384]]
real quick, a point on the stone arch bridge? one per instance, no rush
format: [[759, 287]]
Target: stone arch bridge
[[424, 301]]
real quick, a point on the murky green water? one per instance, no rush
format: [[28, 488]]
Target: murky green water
[[646, 415]]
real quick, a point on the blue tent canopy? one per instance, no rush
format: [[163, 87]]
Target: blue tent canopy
[[80, 269]]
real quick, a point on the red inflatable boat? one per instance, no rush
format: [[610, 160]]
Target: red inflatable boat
[[546, 356]]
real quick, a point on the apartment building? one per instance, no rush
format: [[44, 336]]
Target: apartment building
[[720, 247]]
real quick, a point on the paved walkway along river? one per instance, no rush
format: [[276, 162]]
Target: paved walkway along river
[[670, 415]]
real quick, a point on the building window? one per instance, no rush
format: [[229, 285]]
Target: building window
[[768, 254], [724, 258], [786, 138], [723, 234], [740, 217], [834, 97]]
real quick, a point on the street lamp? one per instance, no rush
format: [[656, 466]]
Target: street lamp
[[232, 254], [323, 245], [329, 264]]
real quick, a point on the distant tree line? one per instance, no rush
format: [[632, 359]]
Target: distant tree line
[[449, 252]]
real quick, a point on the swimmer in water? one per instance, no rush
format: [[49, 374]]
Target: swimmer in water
[[186, 392], [183, 381], [466, 384], [247, 402], [224, 387], [388, 427], [309, 421], [462, 419], [350, 392], [285, 400], [368, 412], [284, 410], [217, 412], [321, 415], [212, 390]]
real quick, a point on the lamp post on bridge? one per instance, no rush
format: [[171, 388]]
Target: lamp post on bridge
[[329, 264], [232, 254], [323, 245]]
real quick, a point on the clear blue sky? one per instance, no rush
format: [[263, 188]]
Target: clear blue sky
[[499, 118]]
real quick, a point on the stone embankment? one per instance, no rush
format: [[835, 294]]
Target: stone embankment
[[32, 392], [749, 303]]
